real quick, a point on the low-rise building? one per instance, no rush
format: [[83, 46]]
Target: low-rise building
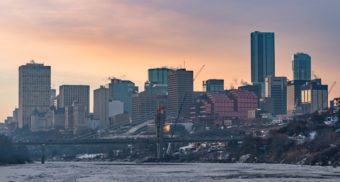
[[314, 96], [219, 106]]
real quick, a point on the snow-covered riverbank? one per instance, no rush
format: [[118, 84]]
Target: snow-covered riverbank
[[127, 172]]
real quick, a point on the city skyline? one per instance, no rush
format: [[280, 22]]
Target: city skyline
[[206, 34]]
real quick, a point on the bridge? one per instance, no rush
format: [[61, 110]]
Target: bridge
[[126, 140]]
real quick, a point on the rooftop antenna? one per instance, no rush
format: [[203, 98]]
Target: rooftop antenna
[[184, 63]]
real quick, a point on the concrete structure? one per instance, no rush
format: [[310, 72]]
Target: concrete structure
[[314, 96], [119, 119], [276, 89], [294, 96], [34, 91], [302, 67], [180, 90], [101, 106], [58, 120], [41, 121], [213, 85], [262, 57], [76, 117], [123, 90], [68, 94], [116, 107]]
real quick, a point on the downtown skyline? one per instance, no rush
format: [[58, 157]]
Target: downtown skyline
[[213, 34]]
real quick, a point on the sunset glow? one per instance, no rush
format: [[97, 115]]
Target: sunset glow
[[88, 41]]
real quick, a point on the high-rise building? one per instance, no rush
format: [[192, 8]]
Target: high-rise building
[[314, 96], [158, 80], [68, 94], [123, 90], [34, 91], [158, 75], [276, 89], [101, 106], [180, 93], [302, 67], [262, 57], [213, 85]]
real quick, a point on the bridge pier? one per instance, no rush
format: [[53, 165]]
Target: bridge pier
[[160, 119], [43, 155]]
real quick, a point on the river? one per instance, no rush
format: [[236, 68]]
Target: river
[[151, 172]]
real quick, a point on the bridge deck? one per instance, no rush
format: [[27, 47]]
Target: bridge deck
[[127, 141]]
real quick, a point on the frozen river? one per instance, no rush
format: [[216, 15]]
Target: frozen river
[[129, 172]]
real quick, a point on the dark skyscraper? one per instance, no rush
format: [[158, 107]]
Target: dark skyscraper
[[262, 57], [180, 90], [302, 66]]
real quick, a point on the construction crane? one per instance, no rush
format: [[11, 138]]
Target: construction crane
[[199, 72], [180, 110], [331, 88]]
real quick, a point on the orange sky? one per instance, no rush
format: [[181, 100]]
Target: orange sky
[[86, 42]]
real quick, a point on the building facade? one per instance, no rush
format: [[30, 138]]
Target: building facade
[[101, 98], [294, 95], [213, 85], [302, 67], [276, 89], [262, 57], [180, 93], [158, 75], [222, 106], [314, 96], [69, 94], [123, 90], [34, 91]]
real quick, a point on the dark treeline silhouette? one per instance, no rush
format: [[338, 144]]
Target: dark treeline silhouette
[[321, 149], [10, 154]]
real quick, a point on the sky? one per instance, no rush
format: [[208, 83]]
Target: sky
[[88, 41]]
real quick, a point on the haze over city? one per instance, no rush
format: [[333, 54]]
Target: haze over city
[[86, 42]]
